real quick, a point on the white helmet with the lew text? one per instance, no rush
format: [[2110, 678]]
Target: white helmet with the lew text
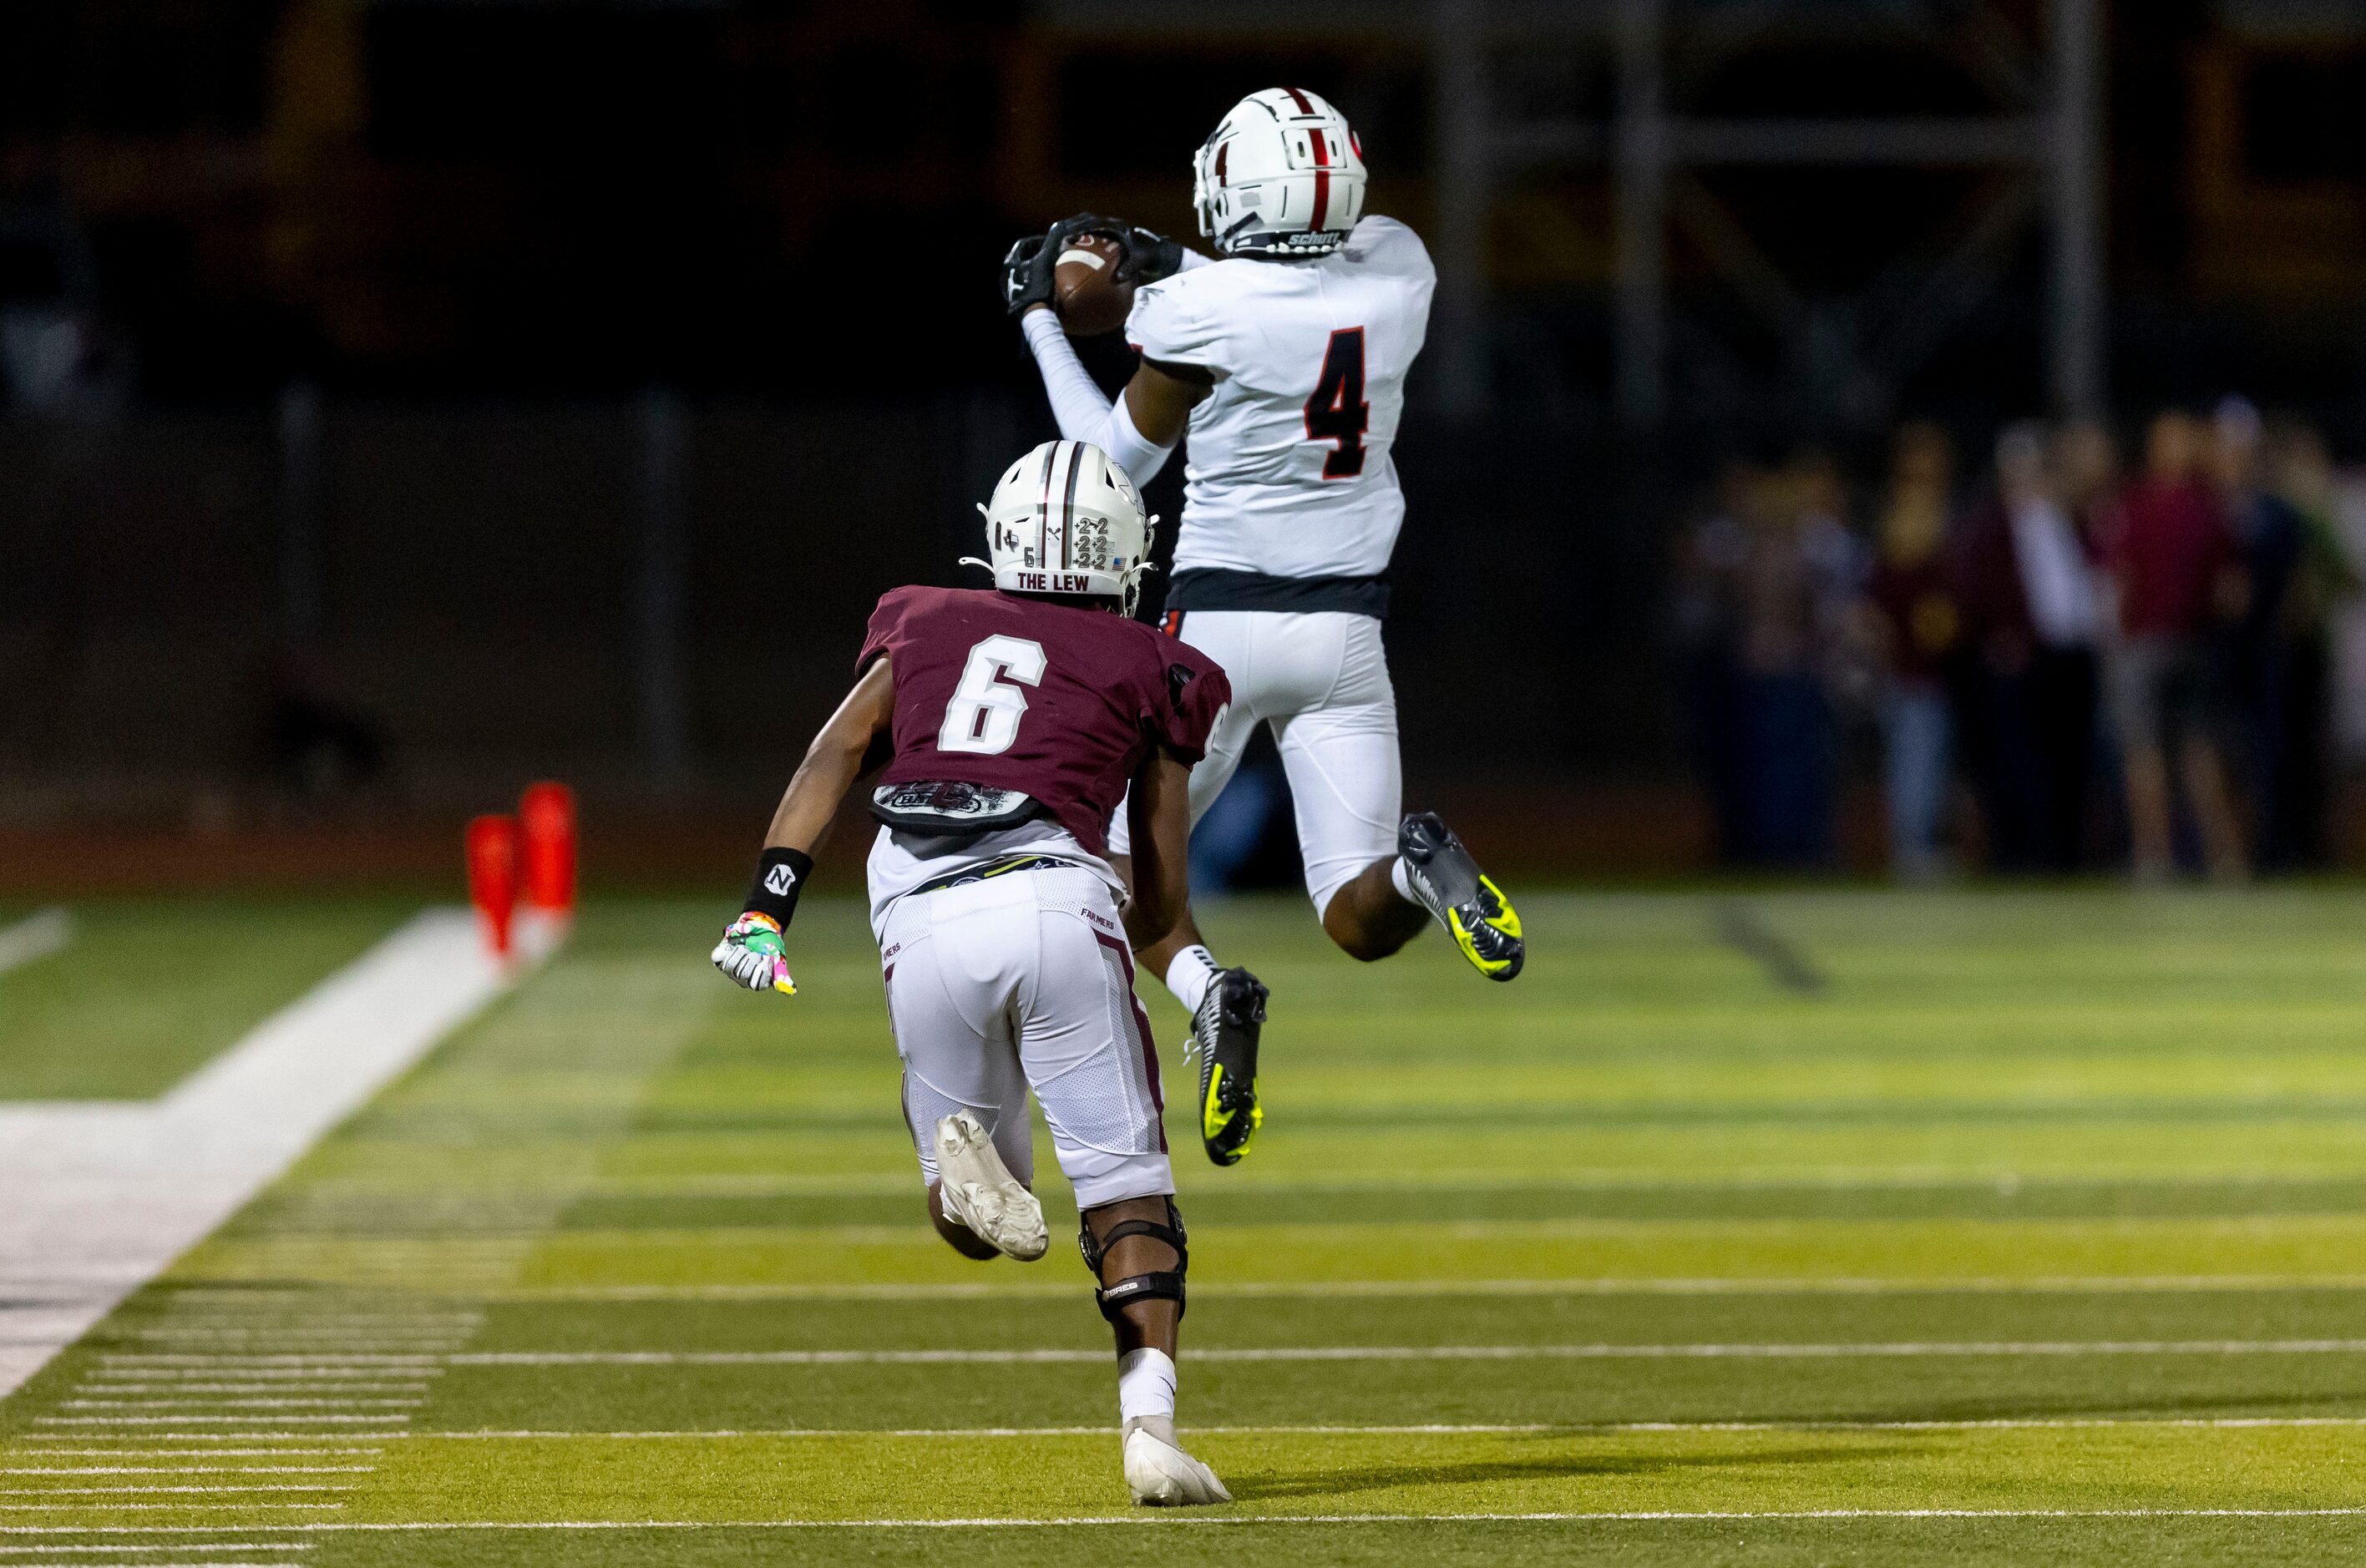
[[1065, 520], [1283, 175]]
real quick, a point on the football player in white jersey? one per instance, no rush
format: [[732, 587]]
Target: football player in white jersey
[[1285, 358]]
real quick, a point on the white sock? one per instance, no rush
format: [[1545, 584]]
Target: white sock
[[1145, 1386], [1190, 975], [1398, 880]]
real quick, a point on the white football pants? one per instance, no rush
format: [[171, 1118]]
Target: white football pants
[[1320, 679], [1025, 980]]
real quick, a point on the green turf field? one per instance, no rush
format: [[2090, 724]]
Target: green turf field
[[1837, 1228], [146, 990]]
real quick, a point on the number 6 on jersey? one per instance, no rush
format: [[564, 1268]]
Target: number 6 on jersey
[[983, 717]]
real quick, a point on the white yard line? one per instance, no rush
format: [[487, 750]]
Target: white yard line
[[1580, 1429], [217, 1420], [120, 1385], [37, 936], [1161, 1519], [242, 1403], [1412, 1353], [250, 1436], [114, 1491], [404, 1361], [103, 1196], [1978, 1284], [178, 1546], [1595, 1182], [1612, 1428], [177, 1454]]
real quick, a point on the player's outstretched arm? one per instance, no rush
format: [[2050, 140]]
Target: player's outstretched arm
[[750, 952], [1141, 430], [1159, 816]]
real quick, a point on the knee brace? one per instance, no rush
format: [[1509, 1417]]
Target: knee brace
[[1160, 1285]]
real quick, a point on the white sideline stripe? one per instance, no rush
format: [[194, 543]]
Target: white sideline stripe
[[192, 1469], [38, 934], [101, 1196], [1173, 1520], [1430, 1353], [2005, 1284], [177, 1546]]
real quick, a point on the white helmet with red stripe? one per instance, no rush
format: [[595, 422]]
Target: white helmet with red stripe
[[1283, 175], [1065, 520]]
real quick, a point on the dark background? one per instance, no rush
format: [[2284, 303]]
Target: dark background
[[550, 387]]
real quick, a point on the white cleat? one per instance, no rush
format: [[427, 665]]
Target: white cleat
[[1161, 1474], [979, 1191]]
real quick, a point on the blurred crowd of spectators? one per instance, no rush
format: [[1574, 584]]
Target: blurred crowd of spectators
[[2068, 663]]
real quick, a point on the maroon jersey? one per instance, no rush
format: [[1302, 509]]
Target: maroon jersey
[[1056, 700]]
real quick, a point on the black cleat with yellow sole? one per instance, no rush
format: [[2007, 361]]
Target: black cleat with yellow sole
[[1224, 1033], [1450, 886]]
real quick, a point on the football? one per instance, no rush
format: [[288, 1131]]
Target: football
[[1086, 293]]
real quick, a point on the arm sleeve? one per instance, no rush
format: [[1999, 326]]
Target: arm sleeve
[[1076, 402], [1084, 414]]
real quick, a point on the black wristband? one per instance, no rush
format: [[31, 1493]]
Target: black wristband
[[779, 877]]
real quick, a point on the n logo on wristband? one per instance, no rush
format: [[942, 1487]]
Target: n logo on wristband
[[779, 880]]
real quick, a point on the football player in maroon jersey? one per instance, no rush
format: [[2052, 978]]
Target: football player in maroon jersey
[[1017, 718]]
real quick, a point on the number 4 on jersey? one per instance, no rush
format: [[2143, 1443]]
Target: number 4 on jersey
[[1337, 410]]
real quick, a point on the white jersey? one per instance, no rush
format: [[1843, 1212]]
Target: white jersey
[[1289, 472]]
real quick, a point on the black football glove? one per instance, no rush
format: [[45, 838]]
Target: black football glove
[[1027, 270], [1148, 257]]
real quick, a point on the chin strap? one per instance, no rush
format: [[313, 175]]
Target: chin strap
[[1130, 595], [1158, 1285]]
